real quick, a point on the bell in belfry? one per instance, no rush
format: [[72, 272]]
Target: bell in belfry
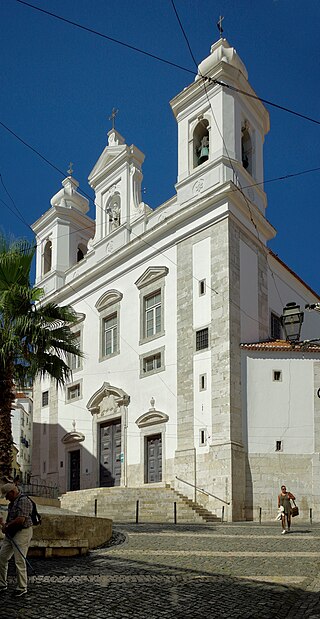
[[203, 150]]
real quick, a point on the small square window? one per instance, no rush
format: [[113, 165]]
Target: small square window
[[278, 445], [202, 339], [73, 392], [277, 375], [152, 363], [202, 287], [45, 398], [202, 437], [202, 382]]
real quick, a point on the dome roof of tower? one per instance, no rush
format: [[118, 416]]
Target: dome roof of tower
[[221, 51]]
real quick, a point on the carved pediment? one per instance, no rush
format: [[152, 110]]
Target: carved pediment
[[108, 298], [72, 437], [151, 275], [107, 399], [151, 418], [108, 156]]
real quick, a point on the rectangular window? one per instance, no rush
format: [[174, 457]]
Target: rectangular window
[[275, 326], [152, 305], [73, 392], [110, 335], [202, 339], [202, 437], [277, 375], [45, 398], [75, 362], [152, 363], [278, 445], [202, 382], [44, 467], [202, 287]]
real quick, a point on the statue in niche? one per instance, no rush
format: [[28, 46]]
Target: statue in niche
[[114, 214]]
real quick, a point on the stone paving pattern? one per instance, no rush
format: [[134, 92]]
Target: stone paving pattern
[[181, 572]]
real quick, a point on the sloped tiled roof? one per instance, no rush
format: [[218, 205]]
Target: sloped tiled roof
[[283, 346]]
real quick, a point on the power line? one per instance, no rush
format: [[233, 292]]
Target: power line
[[104, 36], [169, 62]]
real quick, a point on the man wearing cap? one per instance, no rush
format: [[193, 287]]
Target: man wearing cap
[[18, 534]]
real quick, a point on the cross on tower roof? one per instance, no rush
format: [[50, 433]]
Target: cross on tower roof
[[113, 116], [219, 24], [70, 169]]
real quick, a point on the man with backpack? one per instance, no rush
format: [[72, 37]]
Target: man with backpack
[[18, 534]]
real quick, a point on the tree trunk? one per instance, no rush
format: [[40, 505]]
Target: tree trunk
[[6, 405]]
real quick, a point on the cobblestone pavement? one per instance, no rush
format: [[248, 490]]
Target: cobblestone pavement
[[180, 572]]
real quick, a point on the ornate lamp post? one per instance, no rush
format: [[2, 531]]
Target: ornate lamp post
[[291, 320]]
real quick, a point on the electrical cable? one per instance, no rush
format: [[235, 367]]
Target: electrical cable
[[173, 64]]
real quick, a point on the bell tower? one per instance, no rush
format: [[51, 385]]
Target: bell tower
[[62, 235], [220, 129]]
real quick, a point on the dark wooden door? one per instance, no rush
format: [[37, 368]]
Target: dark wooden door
[[74, 470], [110, 453], [154, 458]]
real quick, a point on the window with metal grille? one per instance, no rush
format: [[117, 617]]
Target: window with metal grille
[[278, 445], [110, 335], [275, 326], [202, 339], [45, 398], [152, 305]]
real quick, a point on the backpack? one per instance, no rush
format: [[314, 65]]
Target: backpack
[[35, 516]]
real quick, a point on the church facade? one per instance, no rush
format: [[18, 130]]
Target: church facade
[[164, 299]]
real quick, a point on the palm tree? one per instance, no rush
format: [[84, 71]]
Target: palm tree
[[35, 339]]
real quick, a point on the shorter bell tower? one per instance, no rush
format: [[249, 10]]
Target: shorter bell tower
[[62, 235]]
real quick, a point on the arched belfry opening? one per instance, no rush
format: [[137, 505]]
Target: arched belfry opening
[[246, 148], [201, 142], [81, 251], [47, 257]]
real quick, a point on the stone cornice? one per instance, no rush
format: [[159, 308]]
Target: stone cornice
[[224, 73]]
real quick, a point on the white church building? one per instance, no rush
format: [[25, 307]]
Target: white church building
[[184, 371]]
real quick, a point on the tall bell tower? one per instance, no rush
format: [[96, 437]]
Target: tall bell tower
[[221, 129]]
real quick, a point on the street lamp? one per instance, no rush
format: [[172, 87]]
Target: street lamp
[[291, 320]]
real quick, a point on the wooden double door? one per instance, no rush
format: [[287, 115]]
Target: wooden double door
[[153, 459], [110, 453]]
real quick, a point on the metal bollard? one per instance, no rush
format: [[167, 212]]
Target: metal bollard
[[95, 507], [222, 513], [260, 514], [137, 512], [175, 512]]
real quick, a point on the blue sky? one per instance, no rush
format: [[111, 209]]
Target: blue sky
[[59, 85]]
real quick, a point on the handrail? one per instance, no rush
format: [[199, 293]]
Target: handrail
[[202, 490]]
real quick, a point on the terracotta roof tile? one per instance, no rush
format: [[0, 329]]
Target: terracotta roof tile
[[283, 346]]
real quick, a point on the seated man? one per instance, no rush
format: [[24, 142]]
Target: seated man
[[18, 534]]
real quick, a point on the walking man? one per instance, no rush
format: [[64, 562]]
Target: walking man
[[18, 534], [284, 500]]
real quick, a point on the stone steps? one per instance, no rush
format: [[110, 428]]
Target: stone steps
[[119, 504]]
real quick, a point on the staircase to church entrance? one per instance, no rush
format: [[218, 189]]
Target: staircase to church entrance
[[120, 505]]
